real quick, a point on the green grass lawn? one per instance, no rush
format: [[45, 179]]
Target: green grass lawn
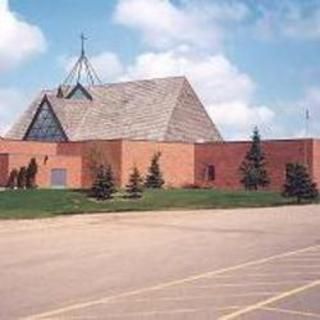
[[47, 203]]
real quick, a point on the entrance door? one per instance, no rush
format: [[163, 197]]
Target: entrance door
[[58, 178]]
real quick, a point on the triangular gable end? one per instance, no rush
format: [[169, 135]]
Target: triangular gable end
[[79, 92], [189, 120], [45, 125]]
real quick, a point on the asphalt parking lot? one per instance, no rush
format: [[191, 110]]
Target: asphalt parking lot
[[225, 264]]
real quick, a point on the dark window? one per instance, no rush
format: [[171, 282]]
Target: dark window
[[45, 126], [210, 173], [79, 92]]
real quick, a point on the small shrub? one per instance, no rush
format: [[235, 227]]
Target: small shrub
[[134, 188], [103, 188], [22, 178], [154, 178], [13, 179], [191, 186], [299, 184], [31, 174]]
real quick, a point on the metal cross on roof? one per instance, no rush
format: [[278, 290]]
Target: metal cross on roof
[[83, 39], [82, 72]]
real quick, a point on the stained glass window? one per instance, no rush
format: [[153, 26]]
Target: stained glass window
[[45, 126]]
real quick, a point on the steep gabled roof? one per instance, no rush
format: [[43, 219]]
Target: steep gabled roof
[[159, 109]]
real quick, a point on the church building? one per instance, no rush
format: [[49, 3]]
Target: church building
[[125, 124]]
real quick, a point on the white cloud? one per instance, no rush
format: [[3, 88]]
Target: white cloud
[[107, 65], [19, 40], [299, 20], [312, 99], [12, 103], [205, 23], [225, 91], [183, 30], [164, 24]]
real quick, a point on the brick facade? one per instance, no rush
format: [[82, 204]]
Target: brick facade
[[182, 163], [226, 158], [176, 161], [316, 161]]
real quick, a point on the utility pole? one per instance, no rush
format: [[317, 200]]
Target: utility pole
[[307, 120], [307, 127]]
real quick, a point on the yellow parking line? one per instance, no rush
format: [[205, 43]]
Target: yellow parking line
[[146, 313], [210, 297], [300, 259], [285, 264], [263, 303], [151, 313], [246, 284], [271, 274], [310, 255], [165, 285], [293, 312], [166, 312]]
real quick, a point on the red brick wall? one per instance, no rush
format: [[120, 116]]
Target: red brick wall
[[27, 147], [71, 164], [316, 161], [227, 157], [177, 160], [72, 156], [111, 155], [4, 164], [181, 163], [70, 148]]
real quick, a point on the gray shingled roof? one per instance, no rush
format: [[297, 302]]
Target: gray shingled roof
[[159, 109]]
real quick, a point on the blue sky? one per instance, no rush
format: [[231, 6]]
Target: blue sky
[[251, 62]]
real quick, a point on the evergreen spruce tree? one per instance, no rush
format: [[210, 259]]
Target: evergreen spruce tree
[[254, 174], [21, 178], [134, 188], [31, 174], [104, 186], [154, 178], [299, 184], [110, 180], [12, 180]]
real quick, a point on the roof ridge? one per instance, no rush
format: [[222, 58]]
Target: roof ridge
[[175, 106], [206, 112], [188, 89], [122, 82]]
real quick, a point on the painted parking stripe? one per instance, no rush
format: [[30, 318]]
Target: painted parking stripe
[[165, 285], [263, 303], [293, 312]]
